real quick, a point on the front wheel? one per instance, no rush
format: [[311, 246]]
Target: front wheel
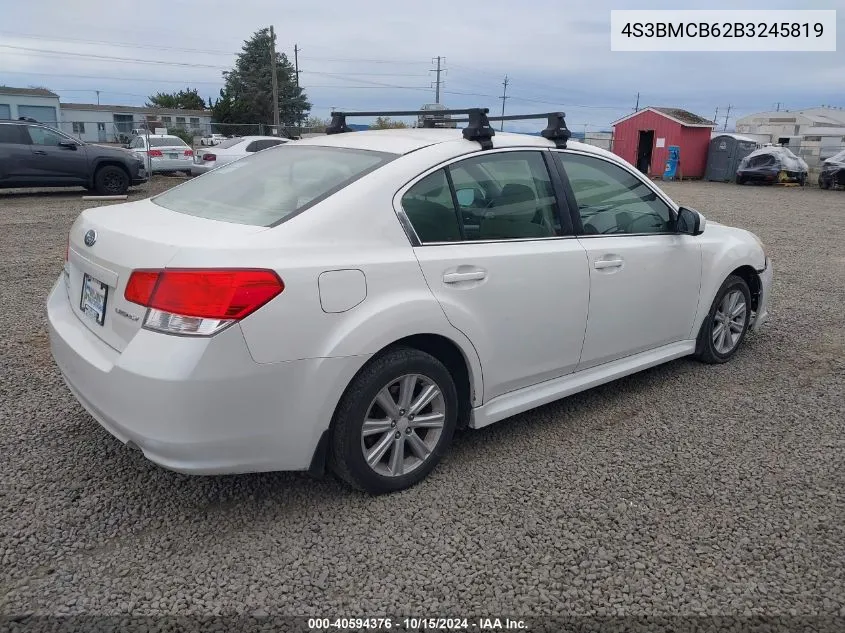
[[394, 422], [111, 181], [726, 324]]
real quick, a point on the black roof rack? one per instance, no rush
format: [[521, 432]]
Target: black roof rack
[[478, 123], [556, 129], [478, 129]]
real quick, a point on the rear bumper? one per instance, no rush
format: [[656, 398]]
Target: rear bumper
[[201, 168], [198, 405], [762, 313], [163, 165]]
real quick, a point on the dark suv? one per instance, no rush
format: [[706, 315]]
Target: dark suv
[[34, 155]]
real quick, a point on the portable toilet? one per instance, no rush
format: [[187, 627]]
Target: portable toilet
[[725, 153], [672, 162]]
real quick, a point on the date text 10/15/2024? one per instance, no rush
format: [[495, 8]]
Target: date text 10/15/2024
[[483, 624]]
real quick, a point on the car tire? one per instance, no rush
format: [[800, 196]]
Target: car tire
[[823, 184], [740, 180], [714, 345], [111, 181], [401, 374]]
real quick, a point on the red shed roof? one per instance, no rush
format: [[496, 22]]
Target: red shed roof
[[679, 115]]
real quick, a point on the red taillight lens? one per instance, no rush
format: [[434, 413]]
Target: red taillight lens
[[230, 294], [155, 152], [189, 152], [139, 288], [209, 157]]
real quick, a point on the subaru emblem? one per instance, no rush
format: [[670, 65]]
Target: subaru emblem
[[90, 237]]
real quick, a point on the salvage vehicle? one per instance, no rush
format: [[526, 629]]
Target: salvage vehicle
[[346, 302], [772, 164], [833, 172]]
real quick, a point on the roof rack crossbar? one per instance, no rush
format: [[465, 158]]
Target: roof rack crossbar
[[479, 128], [556, 129]]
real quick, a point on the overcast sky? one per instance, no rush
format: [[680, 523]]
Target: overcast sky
[[555, 53]]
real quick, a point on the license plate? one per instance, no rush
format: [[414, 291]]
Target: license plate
[[94, 296], [173, 155]]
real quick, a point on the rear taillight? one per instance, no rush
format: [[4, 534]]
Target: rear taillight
[[200, 301], [155, 153], [189, 152], [209, 157]]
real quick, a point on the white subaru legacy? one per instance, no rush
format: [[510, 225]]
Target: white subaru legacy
[[345, 302]]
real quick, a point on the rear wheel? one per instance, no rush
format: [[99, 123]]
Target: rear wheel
[[111, 181], [823, 184], [740, 180], [394, 422], [726, 324]]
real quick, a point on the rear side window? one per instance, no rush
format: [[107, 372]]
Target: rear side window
[[231, 142], [12, 134], [497, 196], [267, 187]]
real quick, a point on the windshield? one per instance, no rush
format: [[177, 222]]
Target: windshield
[[167, 141], [267, 187]]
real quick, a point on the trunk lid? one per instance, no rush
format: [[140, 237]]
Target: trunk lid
[[128, 237]]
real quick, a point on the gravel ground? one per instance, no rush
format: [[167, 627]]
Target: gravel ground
[[686, 489]]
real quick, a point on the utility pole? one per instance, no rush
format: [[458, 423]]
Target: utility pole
[[637, 107], [777, 108], [296, 50], [726, 117], [275, 79], [716, 116], [504, 98], [98, 96], [437, 82]]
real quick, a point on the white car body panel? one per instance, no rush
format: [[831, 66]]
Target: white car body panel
[[173, 156], [542, 324], [224, 155]]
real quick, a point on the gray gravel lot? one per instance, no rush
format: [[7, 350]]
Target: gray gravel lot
[[686, 489]]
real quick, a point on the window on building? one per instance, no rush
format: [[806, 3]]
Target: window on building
[[78, 127], [101, 127], [166, 119], [195, 121], [180, 119]]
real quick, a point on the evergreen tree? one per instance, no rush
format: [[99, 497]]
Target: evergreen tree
[[247, 96], [187, 99]]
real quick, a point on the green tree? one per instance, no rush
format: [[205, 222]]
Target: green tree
[[315, 124], [386, 123], [187, 99], [247, 96]]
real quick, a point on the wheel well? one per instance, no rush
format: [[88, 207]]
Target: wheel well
[[108, 163], [451, 356], [753, 280], [443, 350]]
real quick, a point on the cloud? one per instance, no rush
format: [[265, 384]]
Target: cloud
[[556, 56]]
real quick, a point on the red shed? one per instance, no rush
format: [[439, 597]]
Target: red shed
[[643, 139]]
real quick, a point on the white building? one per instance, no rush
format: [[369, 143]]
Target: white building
[[817, 132], [36, 103], [107, 123]]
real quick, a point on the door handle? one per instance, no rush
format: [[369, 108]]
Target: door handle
[[607, 263], [40, 152], [474, 275]]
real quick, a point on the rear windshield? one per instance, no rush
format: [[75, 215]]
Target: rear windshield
[[167, 141], [267, 187]]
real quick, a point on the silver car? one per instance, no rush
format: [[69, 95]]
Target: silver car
[[231, 150], [164, 153]]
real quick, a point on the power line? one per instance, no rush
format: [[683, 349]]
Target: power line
[[119, 44], [109, 58]]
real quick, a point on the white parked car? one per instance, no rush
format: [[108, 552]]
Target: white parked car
[[164, 154], [212, 139], [348, 301], [231, 150]]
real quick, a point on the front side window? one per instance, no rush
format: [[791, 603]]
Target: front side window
[[611, 200], [267, 187], [496, 196], [43, 136]]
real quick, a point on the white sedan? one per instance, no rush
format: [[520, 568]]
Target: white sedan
[[212, 139], [346, 302], [231, 150], [163, 153]]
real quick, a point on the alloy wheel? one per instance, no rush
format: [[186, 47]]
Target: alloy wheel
[[729, 322], [403, 425]]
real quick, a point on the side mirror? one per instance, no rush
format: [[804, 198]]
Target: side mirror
[[690, 221], [68, 145]]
